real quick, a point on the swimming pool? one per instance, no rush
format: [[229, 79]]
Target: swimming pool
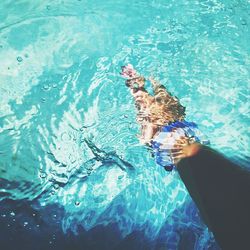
[[67, 121]]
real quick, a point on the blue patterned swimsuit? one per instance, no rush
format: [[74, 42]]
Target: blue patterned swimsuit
[[163, 142]]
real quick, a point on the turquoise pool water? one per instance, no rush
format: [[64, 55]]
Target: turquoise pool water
[[67, 121]]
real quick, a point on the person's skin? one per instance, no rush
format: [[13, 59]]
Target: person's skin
[[184, 148], [154, 111], [143, 101], [159, 110]]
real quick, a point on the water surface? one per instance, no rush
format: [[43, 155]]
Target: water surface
[[67, 121]]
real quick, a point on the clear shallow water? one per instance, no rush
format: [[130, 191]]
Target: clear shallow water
[[67, 121]]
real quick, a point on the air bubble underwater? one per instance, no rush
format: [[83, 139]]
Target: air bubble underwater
[[46, 87], [77, 203], [123, 53], [43, 175], [19, 59]]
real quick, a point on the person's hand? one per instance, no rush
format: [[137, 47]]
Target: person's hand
[[184, 148], [129, 72], [142, 140], [153, 81]]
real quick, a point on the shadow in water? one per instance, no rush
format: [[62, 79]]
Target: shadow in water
[[27, 225]]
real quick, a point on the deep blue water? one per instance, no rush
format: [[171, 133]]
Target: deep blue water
[[72, 172]]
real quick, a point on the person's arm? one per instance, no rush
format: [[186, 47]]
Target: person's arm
[[134, 80], [158, 87], [148, 131], [136, 84], [161, 94], [154, 82], [220, 189], [143, 101]]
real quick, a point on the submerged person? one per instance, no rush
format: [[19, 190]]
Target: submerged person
[[219, 187], [162, 119]]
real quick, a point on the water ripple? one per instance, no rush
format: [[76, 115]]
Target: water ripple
[[67, 121]]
